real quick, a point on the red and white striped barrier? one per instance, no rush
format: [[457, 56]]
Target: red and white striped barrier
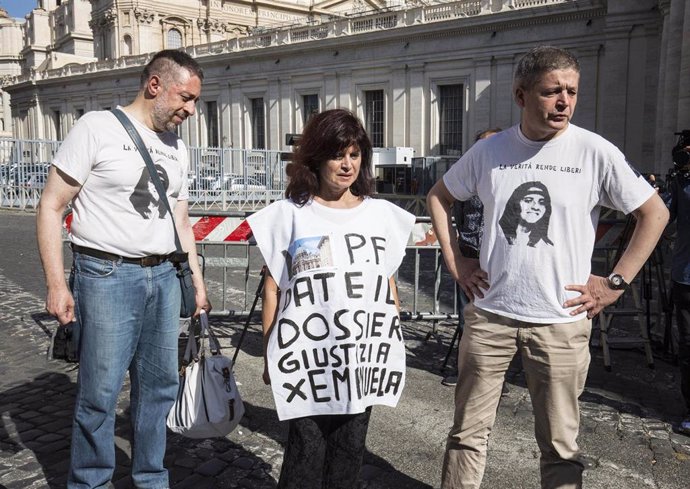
[[219, 228], [207, 228]]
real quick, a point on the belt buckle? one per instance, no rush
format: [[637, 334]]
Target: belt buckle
[[150, 261]]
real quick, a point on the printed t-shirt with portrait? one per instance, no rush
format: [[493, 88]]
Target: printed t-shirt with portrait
[[336, 346], [541, 207], [117, 209]]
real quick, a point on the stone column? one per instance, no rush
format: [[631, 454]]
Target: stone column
[[238, 115], [418, 109], [225, 118], [346, 96], [399, 113], [587, 108], [480, 109], [614, 85], [684, 78], [287, 111], [330, 87], [505, 112], [273, 115], [673, 34]]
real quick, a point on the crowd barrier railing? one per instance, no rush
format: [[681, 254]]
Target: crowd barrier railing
[[232, 271]]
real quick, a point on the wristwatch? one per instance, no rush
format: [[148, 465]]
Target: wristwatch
[[617, 282]]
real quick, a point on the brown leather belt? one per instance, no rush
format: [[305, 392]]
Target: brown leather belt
[[144, 261]]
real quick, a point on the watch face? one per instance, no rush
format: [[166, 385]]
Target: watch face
[[616, 281]]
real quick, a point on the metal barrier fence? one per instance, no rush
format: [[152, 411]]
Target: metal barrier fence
[[232, 272], [218, 178]]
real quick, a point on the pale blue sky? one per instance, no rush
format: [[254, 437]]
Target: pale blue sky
[[18, 8]]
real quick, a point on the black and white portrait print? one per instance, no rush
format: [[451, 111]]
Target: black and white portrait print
[[145, 198], [525, 219]]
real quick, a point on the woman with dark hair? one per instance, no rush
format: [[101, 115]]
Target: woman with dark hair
[[527, 215], [333, 345]]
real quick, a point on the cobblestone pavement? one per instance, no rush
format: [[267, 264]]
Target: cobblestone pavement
[[627, 433]]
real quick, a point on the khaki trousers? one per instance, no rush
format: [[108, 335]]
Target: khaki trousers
[[555, 358]]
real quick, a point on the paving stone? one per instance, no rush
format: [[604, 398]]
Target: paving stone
[[188, 462], [243, 463], [632, 406], [211, 467]]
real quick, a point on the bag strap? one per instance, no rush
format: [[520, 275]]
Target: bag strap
[[190, 351], [207, 332], [153, 174]]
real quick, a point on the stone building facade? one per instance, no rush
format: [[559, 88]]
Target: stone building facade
[[10, 65], [421, 74]]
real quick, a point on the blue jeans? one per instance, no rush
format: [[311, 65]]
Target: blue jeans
[[128, 318]]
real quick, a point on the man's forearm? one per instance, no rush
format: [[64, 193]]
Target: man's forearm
[[49, 236], [651, 221], [440, 212]]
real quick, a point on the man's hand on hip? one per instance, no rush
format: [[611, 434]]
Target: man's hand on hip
[[595, 296], [472, 279]]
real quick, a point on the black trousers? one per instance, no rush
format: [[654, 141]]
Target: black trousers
[[324, 452], [680, 294]]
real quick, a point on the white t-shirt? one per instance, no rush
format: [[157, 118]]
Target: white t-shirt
[[117, 208], [337, 345], [541, 208]]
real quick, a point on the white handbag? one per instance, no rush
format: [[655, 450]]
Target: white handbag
[[208, 403]]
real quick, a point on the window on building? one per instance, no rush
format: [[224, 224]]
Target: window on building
[[127, 45], [257, 122], [374, 116], [310, 106], [174, 39], [450, 111], [212, 124]]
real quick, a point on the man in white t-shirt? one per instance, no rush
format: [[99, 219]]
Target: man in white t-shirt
[[123, 293], [542, 183]]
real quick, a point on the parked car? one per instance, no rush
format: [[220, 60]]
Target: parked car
[[239, 184], [205, 180], [236, 183]]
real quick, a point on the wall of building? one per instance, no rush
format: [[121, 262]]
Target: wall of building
[[634, 55], [10, 65]]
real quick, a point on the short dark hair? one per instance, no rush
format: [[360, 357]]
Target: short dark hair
[[165, 64], [485, 133], [540, 60], [325, 135]]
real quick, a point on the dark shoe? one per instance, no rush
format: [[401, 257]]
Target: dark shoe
[[505, 390], [451, 380]]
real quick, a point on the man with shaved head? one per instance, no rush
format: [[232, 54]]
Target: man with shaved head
[[123, 291]]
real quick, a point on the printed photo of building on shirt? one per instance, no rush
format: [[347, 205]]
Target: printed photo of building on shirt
[[307, 254]]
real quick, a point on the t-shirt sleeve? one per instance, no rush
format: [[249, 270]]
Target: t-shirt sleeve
[[78, 151], [400, 225], [460, 179], [271, 227], [624, 188]]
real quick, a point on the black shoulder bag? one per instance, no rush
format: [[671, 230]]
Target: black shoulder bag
[[180, 258]]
